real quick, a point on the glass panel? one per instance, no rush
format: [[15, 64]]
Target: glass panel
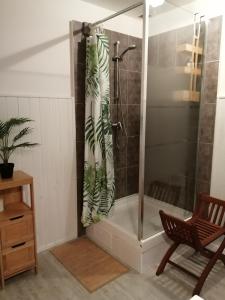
[[172, 114]]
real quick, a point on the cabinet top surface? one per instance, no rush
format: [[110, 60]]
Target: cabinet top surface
[[19, 178]]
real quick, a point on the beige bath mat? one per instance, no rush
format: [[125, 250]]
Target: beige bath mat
[[88, 263]]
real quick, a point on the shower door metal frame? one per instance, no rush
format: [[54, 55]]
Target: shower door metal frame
[[144, 77]]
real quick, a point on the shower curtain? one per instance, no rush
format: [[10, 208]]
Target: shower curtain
[[99, 185]]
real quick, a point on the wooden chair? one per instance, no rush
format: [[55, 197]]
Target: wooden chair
[[206, 225]]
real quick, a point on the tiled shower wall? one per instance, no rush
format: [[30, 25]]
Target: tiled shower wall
[[172, 139], [171, 123], [208, 104], [126, 141]]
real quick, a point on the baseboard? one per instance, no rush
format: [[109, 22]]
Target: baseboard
[[55, 243]]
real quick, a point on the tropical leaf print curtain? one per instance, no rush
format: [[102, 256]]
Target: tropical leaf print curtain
[[98, 186]]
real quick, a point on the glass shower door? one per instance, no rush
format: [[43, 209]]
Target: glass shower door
[[172, 114]]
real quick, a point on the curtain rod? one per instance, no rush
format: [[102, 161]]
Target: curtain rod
[[87, 26], [118, 13]]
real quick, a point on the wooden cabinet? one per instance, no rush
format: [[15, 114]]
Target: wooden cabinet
[[17, 226]]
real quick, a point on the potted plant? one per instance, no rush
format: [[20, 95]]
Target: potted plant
[[9, 142]]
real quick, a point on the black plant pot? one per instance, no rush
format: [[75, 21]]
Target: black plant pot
[[6, 170]]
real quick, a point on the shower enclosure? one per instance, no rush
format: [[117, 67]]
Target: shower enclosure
[[155, 114]]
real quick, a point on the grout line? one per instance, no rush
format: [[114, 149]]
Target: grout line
[[206, 143], [127, 167], [212, 61], [128, 104]]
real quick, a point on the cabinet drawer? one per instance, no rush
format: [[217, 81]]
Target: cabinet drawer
[[18, 258], [17, 230]]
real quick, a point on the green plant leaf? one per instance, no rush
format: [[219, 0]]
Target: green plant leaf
[[2, 129], [13, 122], [7, 143], [22, 133], [92, 71], [90, 133], [22, 145]]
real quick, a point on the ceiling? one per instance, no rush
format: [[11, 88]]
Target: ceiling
[[116, 5]]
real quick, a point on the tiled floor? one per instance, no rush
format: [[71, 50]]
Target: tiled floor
[[54, 282]]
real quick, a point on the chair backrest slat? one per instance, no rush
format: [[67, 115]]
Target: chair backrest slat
[[221, 216], [211, 210], [216, 211]]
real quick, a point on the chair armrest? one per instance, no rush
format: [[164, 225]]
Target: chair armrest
[[180, 231]]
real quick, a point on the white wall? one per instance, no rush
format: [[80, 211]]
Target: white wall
[[52, 164], [34, 47], [218, 166]]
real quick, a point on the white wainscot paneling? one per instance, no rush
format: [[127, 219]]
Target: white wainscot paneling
[[218, 163], [52, 164]]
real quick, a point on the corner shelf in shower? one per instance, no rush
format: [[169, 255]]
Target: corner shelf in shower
[[187, 95], [189, 70], [190, 48]]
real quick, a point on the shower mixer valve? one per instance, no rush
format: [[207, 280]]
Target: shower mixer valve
[[117, 125]]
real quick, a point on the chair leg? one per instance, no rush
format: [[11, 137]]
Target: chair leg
[[208, 268], [209, 254], [166, 257], [222, 258]]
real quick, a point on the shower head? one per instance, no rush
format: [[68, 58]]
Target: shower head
[[131, 47]]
